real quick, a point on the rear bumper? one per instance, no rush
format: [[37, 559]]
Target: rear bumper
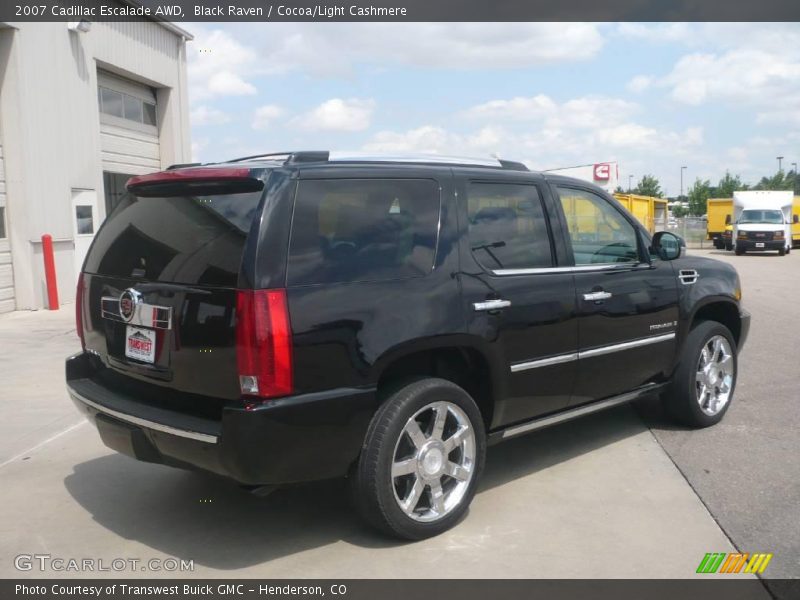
[[288, 440], [750, 245]]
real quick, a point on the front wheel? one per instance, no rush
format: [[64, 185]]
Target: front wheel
[[421, 460], [702, 386]]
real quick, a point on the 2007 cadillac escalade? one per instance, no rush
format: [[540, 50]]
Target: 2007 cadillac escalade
[[294, 317]]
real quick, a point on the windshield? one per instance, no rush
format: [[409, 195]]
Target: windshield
[[770, 217]]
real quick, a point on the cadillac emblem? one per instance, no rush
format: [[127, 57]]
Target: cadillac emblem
[[127, 304]]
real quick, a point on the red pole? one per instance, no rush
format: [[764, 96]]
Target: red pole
[[50, 271]]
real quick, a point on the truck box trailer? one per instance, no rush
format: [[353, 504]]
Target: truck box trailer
[[720, 222], [762, 221], [650, 211]]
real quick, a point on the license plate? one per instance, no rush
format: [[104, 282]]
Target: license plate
[[759, 244], [140, 344]]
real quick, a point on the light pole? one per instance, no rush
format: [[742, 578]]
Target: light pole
[[794, 168], [681, 196], [780, 158], [630, 186]]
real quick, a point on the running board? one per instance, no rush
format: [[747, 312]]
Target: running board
[[573, 413]]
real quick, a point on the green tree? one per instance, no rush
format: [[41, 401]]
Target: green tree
[[619, 190], [648, 186], [699, 194], [679, 211], [779, 181], [728, 185]]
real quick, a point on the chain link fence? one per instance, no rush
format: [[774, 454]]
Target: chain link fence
[[693, 230]]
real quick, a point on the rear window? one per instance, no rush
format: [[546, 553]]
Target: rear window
[[194, 239], [507, 227], [363, 230]]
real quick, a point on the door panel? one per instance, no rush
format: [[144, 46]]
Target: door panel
[[84, 223], [627, 305], [507, 263], [641, 313]]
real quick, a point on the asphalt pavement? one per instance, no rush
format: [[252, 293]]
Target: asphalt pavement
[[746, 469]]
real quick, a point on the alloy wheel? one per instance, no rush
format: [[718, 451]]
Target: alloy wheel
[[715, 375], [433, 462]]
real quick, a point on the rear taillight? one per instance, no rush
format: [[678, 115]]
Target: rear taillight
[[263, 343], [79, 310]]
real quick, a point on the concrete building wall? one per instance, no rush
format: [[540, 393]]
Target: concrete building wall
[[51, 129]]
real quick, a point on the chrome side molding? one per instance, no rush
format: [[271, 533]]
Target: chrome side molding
[[574, 413], [599, 351]]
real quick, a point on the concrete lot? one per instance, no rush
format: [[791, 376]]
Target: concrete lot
[[599, 497], [746, 469]]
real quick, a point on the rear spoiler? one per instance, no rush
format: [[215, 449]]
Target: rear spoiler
[[192, 175]]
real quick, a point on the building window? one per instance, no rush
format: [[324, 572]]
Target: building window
[[2, 222], [125, 106], [84, 220]]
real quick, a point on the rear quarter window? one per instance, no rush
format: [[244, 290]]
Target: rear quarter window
[[347, 230]]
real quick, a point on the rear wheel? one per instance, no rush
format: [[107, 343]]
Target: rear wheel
[[782, 252], [421, 460], [702, 387]]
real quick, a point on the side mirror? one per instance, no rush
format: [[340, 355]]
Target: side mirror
[[727, 219], [667, 245], [795, 218]]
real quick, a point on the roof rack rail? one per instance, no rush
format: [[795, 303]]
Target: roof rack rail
[[289, 157], [182, 166], [308, 156]]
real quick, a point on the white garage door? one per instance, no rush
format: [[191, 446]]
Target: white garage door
[[128, 127], [6, 272]]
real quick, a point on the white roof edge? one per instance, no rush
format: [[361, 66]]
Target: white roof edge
[[165, 24], [412, 158]]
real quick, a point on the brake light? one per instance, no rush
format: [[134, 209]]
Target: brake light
[[79, 310], [191, 175], [263, 343]]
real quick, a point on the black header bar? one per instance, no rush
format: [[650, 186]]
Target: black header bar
[[183, 11]]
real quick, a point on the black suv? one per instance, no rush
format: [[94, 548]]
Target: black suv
[[286, 318]]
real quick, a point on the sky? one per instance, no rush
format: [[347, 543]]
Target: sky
[[653, 97]]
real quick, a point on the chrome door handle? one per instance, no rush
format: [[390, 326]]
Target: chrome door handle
[[491, 304], [594, 296]]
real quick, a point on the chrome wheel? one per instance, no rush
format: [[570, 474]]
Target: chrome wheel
[[715, 375], [433, 462]]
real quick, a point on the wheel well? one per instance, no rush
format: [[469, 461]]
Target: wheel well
[[465, 367], [721, 312]]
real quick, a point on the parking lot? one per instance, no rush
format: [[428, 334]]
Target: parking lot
[[618, 494]]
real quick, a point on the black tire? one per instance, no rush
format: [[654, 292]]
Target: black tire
[[373, 486], [738, 251], [681, 397], [728, 247], [782, 252]]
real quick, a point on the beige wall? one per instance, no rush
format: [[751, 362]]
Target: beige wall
[[51, 128]]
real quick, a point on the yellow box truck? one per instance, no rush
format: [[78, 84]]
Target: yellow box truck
[[720, 222], [650, 212]]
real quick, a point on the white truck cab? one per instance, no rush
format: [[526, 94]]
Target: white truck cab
[[762, 221]]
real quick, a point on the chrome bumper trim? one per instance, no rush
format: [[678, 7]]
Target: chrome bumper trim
[[193, 435]]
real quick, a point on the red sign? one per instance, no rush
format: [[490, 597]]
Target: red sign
[[602, 172]]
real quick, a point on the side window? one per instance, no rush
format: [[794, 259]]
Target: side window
[[363, 230], [598, 232], [507, 227]]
